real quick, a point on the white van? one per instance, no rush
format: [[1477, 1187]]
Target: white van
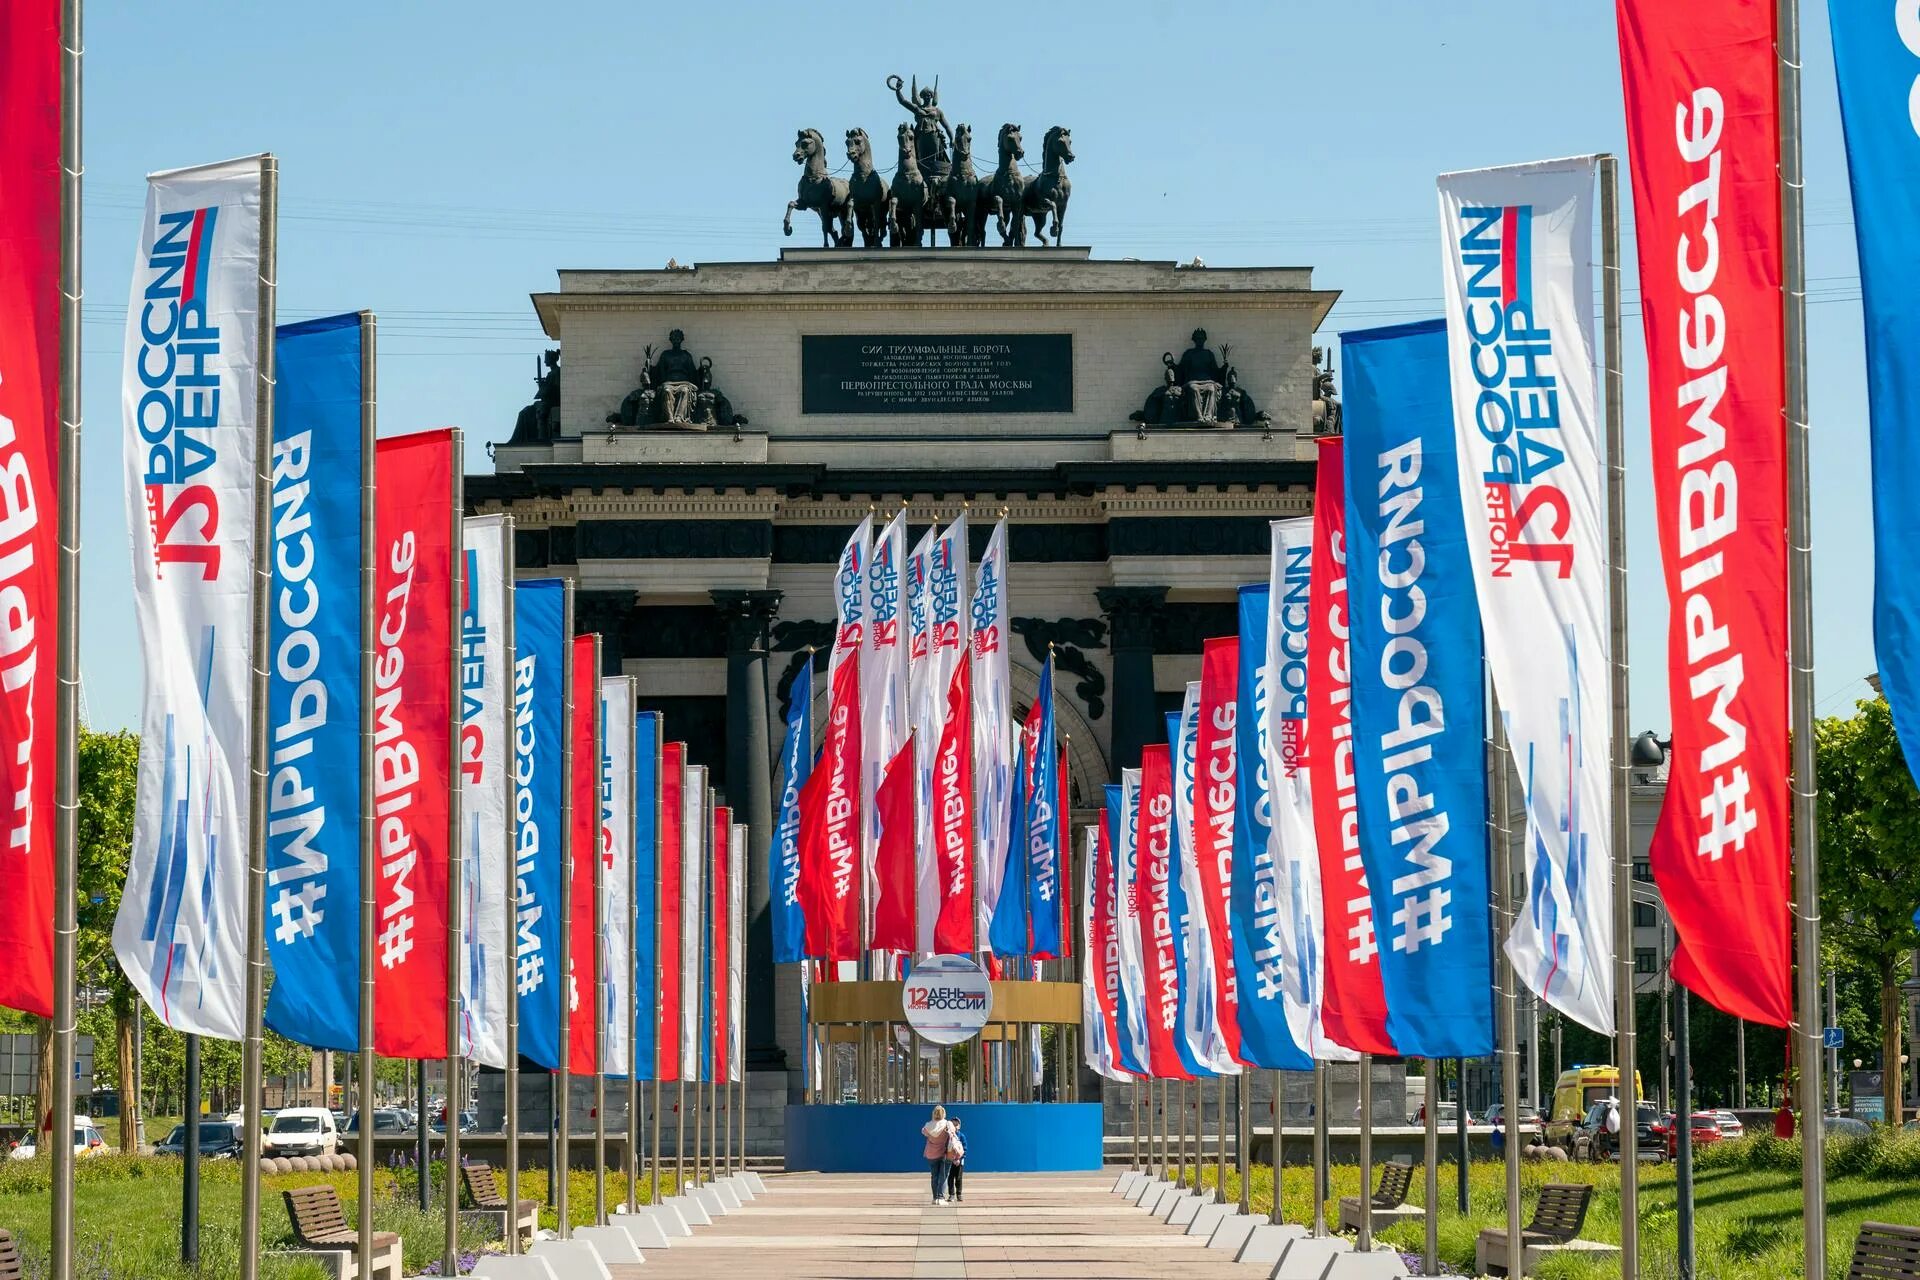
[[302, 1131]]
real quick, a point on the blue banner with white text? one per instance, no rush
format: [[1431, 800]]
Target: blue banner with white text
[[1007, 927], [1418, 714], [314, 695], [796, 764], [1876, 54], [1043, 829], [1265, 1039], [540, 649]]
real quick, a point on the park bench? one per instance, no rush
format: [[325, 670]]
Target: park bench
[[484, 1194], [1557, 1218], [320, 1229], [10, 1268], [1389, 1202], [1881, 1252]]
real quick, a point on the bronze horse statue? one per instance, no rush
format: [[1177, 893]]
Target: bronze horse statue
[[1047, 193], [960, 198], [867, 191], [910, 201], [825, 195], [1006, 193]]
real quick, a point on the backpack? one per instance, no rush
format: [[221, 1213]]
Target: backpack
[[956, 1149]]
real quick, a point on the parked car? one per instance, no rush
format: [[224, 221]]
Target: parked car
[[87, 1141], [385, 1120], [1705, 1129], [1846, 1127], [301, 1131], [1530, 1122], [1574, 1093], [1730, 1126], [468, 1122], [1449, 1116], [219, 1140]]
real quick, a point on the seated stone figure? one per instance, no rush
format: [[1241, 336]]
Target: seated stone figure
[[676, 391], [1200, 389]]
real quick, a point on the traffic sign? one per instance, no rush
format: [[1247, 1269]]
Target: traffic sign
[[1833, 1038]]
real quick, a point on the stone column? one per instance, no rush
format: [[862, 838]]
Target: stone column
[[1130, 615], [747, 616]]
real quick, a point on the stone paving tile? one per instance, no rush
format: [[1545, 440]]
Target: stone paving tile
[[869, 1227]]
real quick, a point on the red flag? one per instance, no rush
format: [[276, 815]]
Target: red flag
[[1703, 124], [1103, 940], [583, 947], [29, 497], [1216, 770], [717, 906], [1156, 917], [893, 869], [1355, 1009], [414, 751], [830, 825], [673, 759], [953, 931], [1066, 841]]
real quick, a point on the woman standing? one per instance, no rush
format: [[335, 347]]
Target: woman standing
[[937, 1131]]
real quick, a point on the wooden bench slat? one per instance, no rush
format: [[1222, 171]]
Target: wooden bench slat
[[10, 1265], [1885, 1251]]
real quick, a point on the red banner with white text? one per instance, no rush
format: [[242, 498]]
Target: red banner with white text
[[673, 782], [583, 945], [1216, 771], [1157, 924], [718, 900], [952, 815], [29, 498], [414, 751], [830, 825], [1355, 1005], [1103, 938], [1702, 100]]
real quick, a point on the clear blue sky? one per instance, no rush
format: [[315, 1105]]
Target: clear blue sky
[[439, 162]]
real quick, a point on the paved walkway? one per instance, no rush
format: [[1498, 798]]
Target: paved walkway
[[865, 1226]]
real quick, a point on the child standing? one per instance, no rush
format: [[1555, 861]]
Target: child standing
[[956, 1160]]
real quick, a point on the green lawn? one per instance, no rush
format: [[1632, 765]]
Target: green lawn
[[127, 1217], [1747, 1203]]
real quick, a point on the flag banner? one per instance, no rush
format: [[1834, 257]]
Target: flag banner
[[1280, 733], [29, 457], [1259, 896], [1009, 932], [1703, 138], [672, 936], [1202, 1047], [1354, 1005], [1101, 946], [853, 642], [1063, 807], [414, 756], [189, 407], [719, 900], [1159, 942], [694, 834], [583, 946], [992, 722], [1131, 1045], [540, 612], [1216, 772], [736, 955], [1519, 271], [830, 825], [923, 703], [1045, 828], [616, 865], [485, 746], [1419, 726], [953, 932], [796, 756], [647, 884], [314, 690], [949, 634], [884, 733], [1873, 52]]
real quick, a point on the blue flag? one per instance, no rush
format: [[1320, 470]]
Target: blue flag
[[1043, 829], [1180, 751], [1265, 1038], [314, 695], [1418, 715], [646, 890], [1876, 69], [1007, 928], [539, 652], [796, 755]]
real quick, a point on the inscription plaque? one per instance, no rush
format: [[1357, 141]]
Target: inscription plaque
[[936, 373]]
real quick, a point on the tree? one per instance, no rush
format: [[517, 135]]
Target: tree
[[1869, 833], [109, 764]]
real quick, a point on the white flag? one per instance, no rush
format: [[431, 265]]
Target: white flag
[[1518, 247], [486, 746], [992, 725], [883, 674], [1292, 843], [697, 830], [949, 629], [616, 872], [1095, 1047], [1201, 1023], [920, 704], [189, 390], [853, 639]]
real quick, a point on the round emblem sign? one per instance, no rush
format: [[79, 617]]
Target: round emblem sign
[[947, 999]]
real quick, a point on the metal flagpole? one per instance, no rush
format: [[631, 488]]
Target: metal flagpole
[[1246, 1204], [1806, 851], [1364, 1242], [1243, 1119], [599, 997], [1319, 1153], [456, 886], [256, 993], [1220, 1145], [364, 1159], [632, 908], [1624, 1035], [680, 1139], [559, 1084], [510, 1083], [67, 696], [1133, 1093], [1509, 1056], [190, 1176], [1431, 1258], [660, 854]]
